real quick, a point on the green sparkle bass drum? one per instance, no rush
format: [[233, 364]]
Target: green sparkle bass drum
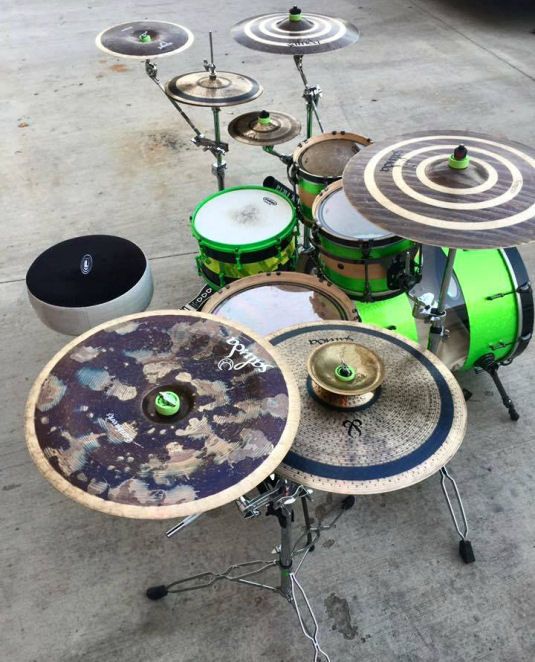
[[489, 307], [244, 231]]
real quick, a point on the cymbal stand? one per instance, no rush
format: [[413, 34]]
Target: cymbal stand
[[277, 497], [312, 95], [215, 147], [219, 167], [465, 546]]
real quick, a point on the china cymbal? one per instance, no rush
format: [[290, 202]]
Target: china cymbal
[[162, 414], [142, 40], [294, 33], [224, 88], [410, 428], [267, 127], [447, 188]]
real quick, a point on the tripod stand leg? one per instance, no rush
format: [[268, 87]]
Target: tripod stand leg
[[465, 546], [308, 523], [489, 365]]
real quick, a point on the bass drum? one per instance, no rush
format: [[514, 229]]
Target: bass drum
[[320, 161], [273, 301], [244, 231], [489, 307]]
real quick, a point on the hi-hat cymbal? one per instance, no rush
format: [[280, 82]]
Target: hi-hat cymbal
[[409, 430], [224, 88], [142, 40], [162, 414], [447, 188], [294, 33], [267, 127]]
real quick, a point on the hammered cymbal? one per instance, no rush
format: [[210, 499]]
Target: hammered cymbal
[[162, 414], [142, 40], [266, 127], [409, 430], [447, 188], [295, 33], [225, 88]]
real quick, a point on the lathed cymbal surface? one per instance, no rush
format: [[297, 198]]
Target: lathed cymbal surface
[[406, 186], [94, 430], [306, 34], [225, 88], [142, 40], [410, 429], [270, 127]]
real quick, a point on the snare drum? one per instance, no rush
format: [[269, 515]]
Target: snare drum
[[358, 256], [244, 231], [321, 160], [489, 306], [273, 301]]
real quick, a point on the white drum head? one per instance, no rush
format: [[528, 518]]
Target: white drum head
[[338, 217], [243, 216]]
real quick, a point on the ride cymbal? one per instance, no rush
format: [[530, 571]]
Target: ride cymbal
[[410, 428], [447, 188], [267, 127], [224, 88], [143, 40], [294, 33], [162, 414]]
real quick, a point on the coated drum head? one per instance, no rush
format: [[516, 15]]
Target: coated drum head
[[269, 302], [327, 155], [410, 429], [142, 40], [162, 414], [335, 215], [242, 216]]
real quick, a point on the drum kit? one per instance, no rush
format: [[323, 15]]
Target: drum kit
[[285, 383]]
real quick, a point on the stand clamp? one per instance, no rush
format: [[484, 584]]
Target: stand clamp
[[285, 158]]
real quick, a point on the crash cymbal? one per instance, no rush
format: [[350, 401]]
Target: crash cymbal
[[162, 414], [447, 188], [408, 430], [267, 127], [224, 88], [142, 40], [294, 33]]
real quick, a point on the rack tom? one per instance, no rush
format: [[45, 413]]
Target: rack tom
[[273, 301], [320, 161], [244, 231], [367, 262]]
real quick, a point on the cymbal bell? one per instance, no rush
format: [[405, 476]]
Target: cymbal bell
[[213, 90], [346, 368], [264, 128], [142, 40]]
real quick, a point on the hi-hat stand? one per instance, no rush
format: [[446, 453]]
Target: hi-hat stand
[[311, 95], [216, 147], [278, 497]]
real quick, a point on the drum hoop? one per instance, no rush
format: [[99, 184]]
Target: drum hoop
[[258, 245], [324, 137], [324, 287]]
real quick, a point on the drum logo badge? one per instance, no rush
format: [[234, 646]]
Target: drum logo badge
[[270, 201], [229, 363]]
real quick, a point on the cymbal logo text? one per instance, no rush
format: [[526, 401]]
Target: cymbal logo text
[[229, 363]]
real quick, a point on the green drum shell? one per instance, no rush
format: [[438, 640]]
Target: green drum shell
[[310, 184], [487, 315], [358, 266], [221, 264]]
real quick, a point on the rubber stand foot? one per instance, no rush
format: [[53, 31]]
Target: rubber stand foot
[[156, 592], [466, 551], [348, 502], [513, 414], [467, 394]]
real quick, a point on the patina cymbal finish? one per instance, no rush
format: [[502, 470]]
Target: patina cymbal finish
[[270, 127], [143, 40]]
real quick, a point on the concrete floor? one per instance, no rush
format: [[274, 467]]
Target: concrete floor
[[91, 146]]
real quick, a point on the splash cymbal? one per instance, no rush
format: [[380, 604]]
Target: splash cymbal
[[447, 188], [224, 88], [410, 428], [142, 40], [162, 414], [294, 33], [267, 127]]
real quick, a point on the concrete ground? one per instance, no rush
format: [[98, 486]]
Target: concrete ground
[[89, 145]]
